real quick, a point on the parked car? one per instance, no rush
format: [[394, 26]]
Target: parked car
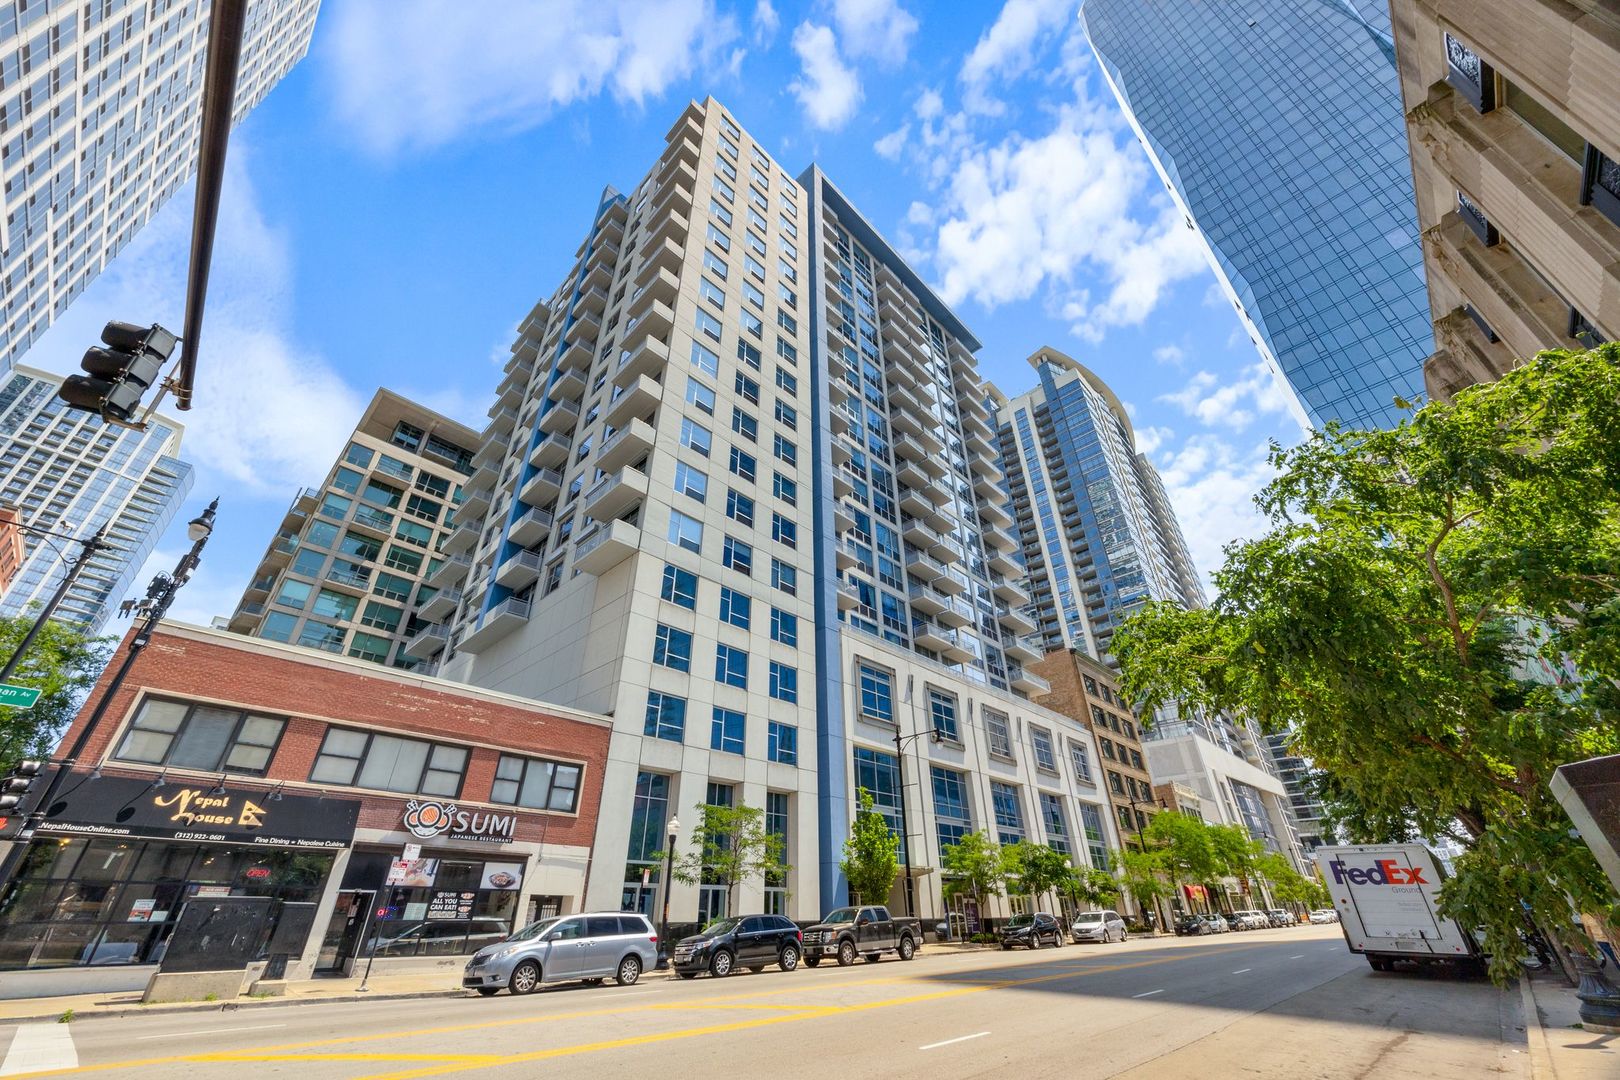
[[1324, 915], [1281, 918], [1192, 926], [1029, 931], [1217, 924], [1250, 919], [587, 948], [848, 932], [749, 941], [1104, 926]]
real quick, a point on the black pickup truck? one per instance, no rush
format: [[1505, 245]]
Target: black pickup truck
[[849, 932]]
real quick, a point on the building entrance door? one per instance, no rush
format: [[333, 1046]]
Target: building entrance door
[[345, 931]]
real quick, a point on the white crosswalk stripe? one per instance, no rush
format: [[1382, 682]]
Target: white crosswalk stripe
[[38, 1047]]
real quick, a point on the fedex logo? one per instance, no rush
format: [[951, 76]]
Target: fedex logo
[[1383, 872]]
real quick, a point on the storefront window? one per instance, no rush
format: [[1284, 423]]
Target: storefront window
[[466, 905], [102, 902]]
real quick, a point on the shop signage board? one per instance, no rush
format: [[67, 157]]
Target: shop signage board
[[125, 806], [428, 819], [413, 873], [451, 905]]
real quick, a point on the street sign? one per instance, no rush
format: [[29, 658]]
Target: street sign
[[17, 697]]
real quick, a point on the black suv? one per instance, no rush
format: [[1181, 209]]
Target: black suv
[[748, 941], [1030, 930], [1192, 926]]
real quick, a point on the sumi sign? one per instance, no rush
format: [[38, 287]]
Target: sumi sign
[[427, 819]]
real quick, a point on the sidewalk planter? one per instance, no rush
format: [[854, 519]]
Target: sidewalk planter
[[1600, 1001]]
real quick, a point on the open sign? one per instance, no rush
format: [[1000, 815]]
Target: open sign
[[257, 873]]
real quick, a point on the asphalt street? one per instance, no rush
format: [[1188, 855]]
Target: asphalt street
[[1279, 1003]]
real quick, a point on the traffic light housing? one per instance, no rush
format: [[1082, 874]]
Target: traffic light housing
[[15, 785], [120, 370]]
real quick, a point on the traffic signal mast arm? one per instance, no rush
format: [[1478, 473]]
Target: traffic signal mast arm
[[119, 372]]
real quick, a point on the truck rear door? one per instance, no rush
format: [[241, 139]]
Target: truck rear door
[[1385, 895]]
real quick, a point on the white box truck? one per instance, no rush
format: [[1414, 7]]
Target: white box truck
[[1387, 899]]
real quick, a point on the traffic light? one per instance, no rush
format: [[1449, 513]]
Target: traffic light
[[119, 373], [15, 785]]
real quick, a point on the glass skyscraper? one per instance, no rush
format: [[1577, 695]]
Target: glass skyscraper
[[71, 472], [1277, 126]]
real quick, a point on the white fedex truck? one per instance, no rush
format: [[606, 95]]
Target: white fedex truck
[[1387, 899]]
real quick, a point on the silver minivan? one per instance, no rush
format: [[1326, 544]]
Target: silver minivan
[[589, 948]]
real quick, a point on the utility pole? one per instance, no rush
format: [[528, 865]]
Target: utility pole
[[90, 546]]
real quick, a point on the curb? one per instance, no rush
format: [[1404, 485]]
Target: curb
[[1535, 1035]]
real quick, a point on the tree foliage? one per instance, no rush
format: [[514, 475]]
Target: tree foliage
[[729, 846], [871, 853], [973, 867], [1034, 869], [1434, 617], [63, 664], [1092, 887]]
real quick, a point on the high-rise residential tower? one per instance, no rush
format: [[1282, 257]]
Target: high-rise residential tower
[[1516, 155], [739, 492], [345, 571], [1295, 773], [100, 102], [1099, 536], [1276, 126], [70, 472]]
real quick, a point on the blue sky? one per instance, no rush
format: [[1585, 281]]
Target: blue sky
[[408, 192]]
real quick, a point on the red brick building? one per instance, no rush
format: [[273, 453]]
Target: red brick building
[[232, 766], [12, 551]]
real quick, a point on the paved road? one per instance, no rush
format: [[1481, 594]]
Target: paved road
[[1288, 1004]]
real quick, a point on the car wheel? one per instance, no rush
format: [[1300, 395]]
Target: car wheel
[[687, 974], [720, 966], [525, 978], [908, 948], [488, 991], [812, 961], [846, 953], [629, 971], [789, 958]]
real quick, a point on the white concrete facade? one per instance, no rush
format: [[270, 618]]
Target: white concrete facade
[[1224, 781]]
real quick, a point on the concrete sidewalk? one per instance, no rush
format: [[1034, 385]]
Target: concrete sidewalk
[[1560, 1049]]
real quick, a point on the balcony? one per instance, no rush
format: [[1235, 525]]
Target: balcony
[[542, 487], [664, 255], [474, 503], [520, 569], [947, 550], [625, 446], [838, 418], [428, 641], [614, 494], [593, 300], [932, 636], [1024, 649], [952, 582], [988, 470], [261, 585], [490, 450], [995, 515], [926, 600], [503, 418], [913, 475], [298, 511], [847, 553], [638, 398], [906, 421], [464, 538], [916, 532], [441, 605], [606, 546], [843, 518], [598, 274], [485, 475], [931, 442], [450, 572], [570, 383], [281, 550], [662, 287], [671, 226], [958, 613], [561, 417], [923, 566], [1000, 539], [496, 623], [843, 486], [989, 487], [376, 522], [674, 197], [1015, 620], [246, 617], [1027, 681], [649, 356], [551, 452], [841, 453], [576, 357], [909, 449], [510, 395], [530, 528], [849, 597], [1003, 563], [683, 149]]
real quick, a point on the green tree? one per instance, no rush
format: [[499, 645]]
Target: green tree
[[1143, 875], [1184, 848], [730, 845], [973, 867], [1434, 617], [1089, 887], [1235, 853], [871, 853], [63, 665], [1033, 870], [1288, 885]]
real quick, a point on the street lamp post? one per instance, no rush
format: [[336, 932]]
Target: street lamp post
[[1141, 844], [905, 826], [150, 610], [91, 545], [669, 883]]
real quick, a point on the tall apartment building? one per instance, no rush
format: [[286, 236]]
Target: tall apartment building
[[735, 494], [346, 570], [70, 472], [1099, 536], [99, 106], [1295, 773], [1515, 138], [1276, 127]]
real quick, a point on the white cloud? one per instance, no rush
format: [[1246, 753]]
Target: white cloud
[[877, 29], [1211, 484], [1008, 48], [766, 22], [1174, 355], [1044, 212], [891, 145], [418, 73], [1149, 439], [828, 88], [1233, 405]]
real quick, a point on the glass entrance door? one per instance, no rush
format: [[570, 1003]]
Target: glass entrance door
[[341, 941]]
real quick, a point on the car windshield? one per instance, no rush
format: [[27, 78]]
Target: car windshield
[[534, 930], [1020, 920], [1089, 917], [842, 915], [724, 926]]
